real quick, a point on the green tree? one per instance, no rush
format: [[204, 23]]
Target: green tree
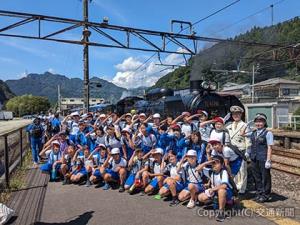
[[27, 104]]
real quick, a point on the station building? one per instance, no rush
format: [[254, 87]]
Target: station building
[[71, 103]]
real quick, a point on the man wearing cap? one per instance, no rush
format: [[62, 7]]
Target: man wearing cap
[[241, 142], [262, 141]]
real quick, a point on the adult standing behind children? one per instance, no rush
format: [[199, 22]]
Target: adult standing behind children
[[262, 141], [241, 142]]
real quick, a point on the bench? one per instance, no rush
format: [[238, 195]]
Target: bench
[[28, 201]]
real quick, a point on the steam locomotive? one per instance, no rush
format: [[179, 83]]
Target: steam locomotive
[[201, 95]]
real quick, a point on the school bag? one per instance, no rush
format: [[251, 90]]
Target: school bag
[[231, 182], [36, 131], [55, 129]]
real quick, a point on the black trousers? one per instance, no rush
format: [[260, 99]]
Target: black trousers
[[262, 177]]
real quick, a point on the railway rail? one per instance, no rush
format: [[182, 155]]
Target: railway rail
[[286, 160]]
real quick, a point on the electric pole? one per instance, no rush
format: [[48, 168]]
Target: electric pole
[[272, 14], [86, 33], [58, 98]]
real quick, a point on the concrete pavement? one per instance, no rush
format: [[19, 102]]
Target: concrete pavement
[[74, 204]]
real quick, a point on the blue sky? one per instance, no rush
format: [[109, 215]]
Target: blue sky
[[20, 57]]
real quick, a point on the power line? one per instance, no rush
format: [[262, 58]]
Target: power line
[[204, 18], [249, 16]]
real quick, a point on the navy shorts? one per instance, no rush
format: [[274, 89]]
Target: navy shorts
[[47, 167], [114, 175], [179, 186], [81, 171], [97, 173], [199, 186]]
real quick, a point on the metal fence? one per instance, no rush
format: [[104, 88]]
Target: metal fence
[[13, 146], [288, 121]]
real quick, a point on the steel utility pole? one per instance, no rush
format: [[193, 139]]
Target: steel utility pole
[[86, 33], [58, 98], [253, 80]]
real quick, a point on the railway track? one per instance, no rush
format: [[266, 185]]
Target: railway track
[[286, 160]]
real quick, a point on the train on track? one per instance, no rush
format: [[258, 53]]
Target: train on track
[[201, 95]]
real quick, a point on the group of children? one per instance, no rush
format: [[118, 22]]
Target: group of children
[[183, 158]]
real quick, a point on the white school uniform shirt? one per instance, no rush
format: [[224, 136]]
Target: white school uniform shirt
[[192, 175], [173, 170], [216, 178], [227, 153], [156, 165], [74, 127], [186, 129], [112, 142], [218, 135], [204, 131], [149, 140], [114, 165]]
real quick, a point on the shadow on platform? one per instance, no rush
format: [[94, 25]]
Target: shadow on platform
[[79, 220]]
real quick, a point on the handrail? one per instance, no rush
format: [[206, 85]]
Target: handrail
[[8, 169]]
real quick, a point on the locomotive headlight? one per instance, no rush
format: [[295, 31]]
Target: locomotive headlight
[[213, 86], [205, 85]]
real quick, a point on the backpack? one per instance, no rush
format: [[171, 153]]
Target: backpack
[[36, 131], [231, 182], [223, 135], [55, 129]]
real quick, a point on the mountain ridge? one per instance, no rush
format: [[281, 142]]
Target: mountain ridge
[[46, 85]]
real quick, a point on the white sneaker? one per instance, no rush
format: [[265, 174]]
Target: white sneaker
[[191, 204]]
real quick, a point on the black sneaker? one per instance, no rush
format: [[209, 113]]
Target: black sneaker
[[100, 184], [257, 197], [262, 199], [221, 216], [121, 189], [64, 181], [88, 183], [174, 202]]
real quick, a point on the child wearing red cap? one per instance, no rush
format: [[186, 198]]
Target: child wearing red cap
[[219, 132]]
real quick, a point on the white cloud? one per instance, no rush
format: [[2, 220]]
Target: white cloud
[[129, 76], [22, 75], [51, 70]]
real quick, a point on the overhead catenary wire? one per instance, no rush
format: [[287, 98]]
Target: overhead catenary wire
[[183, 29], [249, 16]]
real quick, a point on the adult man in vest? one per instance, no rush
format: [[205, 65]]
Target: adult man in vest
[[241, 142]]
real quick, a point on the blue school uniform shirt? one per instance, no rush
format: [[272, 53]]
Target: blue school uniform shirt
[[97, 159], [177, 144], [129, 150], [164, 141], [200, 149], [146, 143], [80, 139], [55, 122], [32, 126]]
